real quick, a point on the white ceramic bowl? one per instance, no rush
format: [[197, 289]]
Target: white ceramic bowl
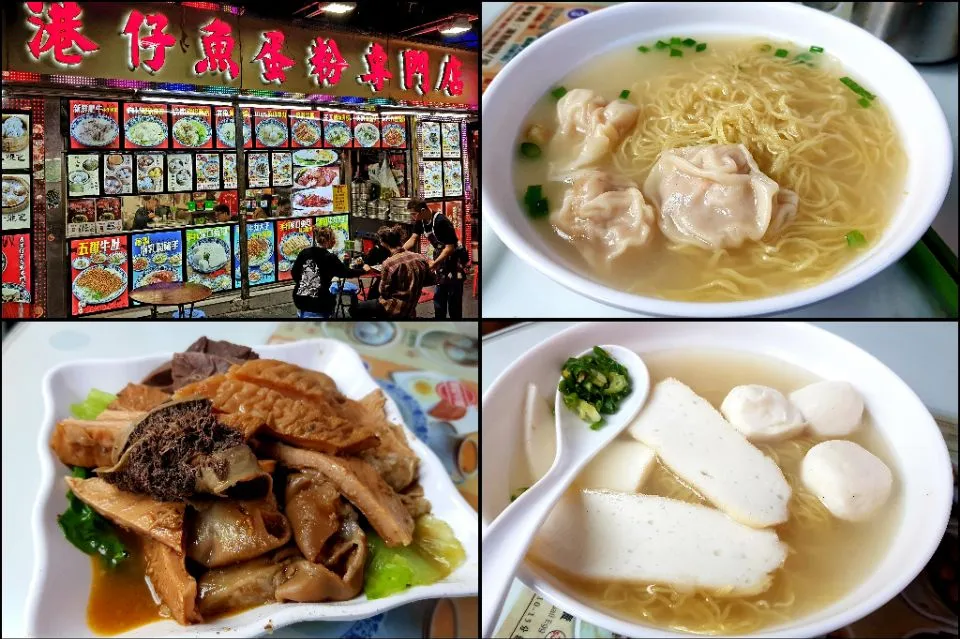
[[918, 117], [58, 596], [922, 463]]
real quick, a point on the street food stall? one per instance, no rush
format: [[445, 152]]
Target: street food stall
[[129, 161]]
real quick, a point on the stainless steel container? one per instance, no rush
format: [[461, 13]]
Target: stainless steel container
[[919, 31]]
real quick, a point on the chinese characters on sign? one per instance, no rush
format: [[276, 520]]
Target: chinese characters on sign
[[273, 64], [58, 31], [99, 274], [217, 44], [163, 42], [156, 39]]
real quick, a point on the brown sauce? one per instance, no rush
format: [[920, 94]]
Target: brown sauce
[[119, 598]]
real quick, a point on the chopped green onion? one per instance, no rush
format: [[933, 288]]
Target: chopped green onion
[[676, 53], [864, 102], [518, 492], [816, 49], [537, 205], [856, 88], [559, 92], [781, 53], [689, 42], [643, 49], [661, 44], [701, 47], [675, 41], [764, 48], [625, 94], [529, 150], [855, 239]]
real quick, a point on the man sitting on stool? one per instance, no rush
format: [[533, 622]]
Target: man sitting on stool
[[402, 278]]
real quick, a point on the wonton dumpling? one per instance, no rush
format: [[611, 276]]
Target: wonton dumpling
[[716, 196], [604, 216], [583, 112]]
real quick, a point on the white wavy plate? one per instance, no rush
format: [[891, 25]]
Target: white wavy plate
[[59, 591]]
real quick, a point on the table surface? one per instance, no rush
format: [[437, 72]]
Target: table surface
[[894, 292], [923, 354], [171, 293]]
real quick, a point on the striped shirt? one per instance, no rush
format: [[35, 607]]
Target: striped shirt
[[402, 278]]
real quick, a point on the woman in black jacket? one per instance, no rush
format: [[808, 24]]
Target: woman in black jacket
[[313, 271]]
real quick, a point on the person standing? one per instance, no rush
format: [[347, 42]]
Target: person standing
[[146, 213], [402, 278], [447, 259], [313, 270]]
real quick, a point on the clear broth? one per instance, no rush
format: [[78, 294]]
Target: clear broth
[[851, 195], [826, 563]]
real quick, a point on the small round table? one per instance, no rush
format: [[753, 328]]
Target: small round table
[[177, 294]]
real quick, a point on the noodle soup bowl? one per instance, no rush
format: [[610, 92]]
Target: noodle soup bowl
[[919, 457], [540, 67]]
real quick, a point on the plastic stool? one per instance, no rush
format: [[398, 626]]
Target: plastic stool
[[195, 314], [310, 315], [348, 287]]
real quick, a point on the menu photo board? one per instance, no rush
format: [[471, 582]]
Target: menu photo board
[[208, 171], [225, 126], [306, 129], [208, 257], [432, 179], [98, 269], [366, 130], [192, 126], [83, 174], [337, 130], [230, 171], [450, 139], [281, 168], [430, 145], [117, 174], [270, 129], [292, 237], [258, 170], [157, 257], [17, 279], [340, 225], [261, 256], [393, 131], [145, 125], [149, 172], [94, 125], [16, 141], [452, 178], [16, 202], [179, 172]]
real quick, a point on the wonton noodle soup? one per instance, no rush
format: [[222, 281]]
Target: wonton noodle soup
[[826, 556], [805, 130]]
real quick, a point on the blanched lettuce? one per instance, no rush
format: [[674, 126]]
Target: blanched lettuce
[[95, 403], [434, 554]]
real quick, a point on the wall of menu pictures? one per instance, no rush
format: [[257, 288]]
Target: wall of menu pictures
[[142, 148], [16, 222], [105, 269], [441, 162]]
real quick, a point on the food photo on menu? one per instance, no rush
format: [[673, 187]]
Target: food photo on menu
[[16, 140]]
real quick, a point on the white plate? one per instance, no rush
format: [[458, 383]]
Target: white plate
[[922, 463], [62, 573]]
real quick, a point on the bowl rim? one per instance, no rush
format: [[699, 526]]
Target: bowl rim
[[877, 257], [279, 615], [545, 585]]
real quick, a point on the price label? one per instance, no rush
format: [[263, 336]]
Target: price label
[[532, 616], [340, 198]]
